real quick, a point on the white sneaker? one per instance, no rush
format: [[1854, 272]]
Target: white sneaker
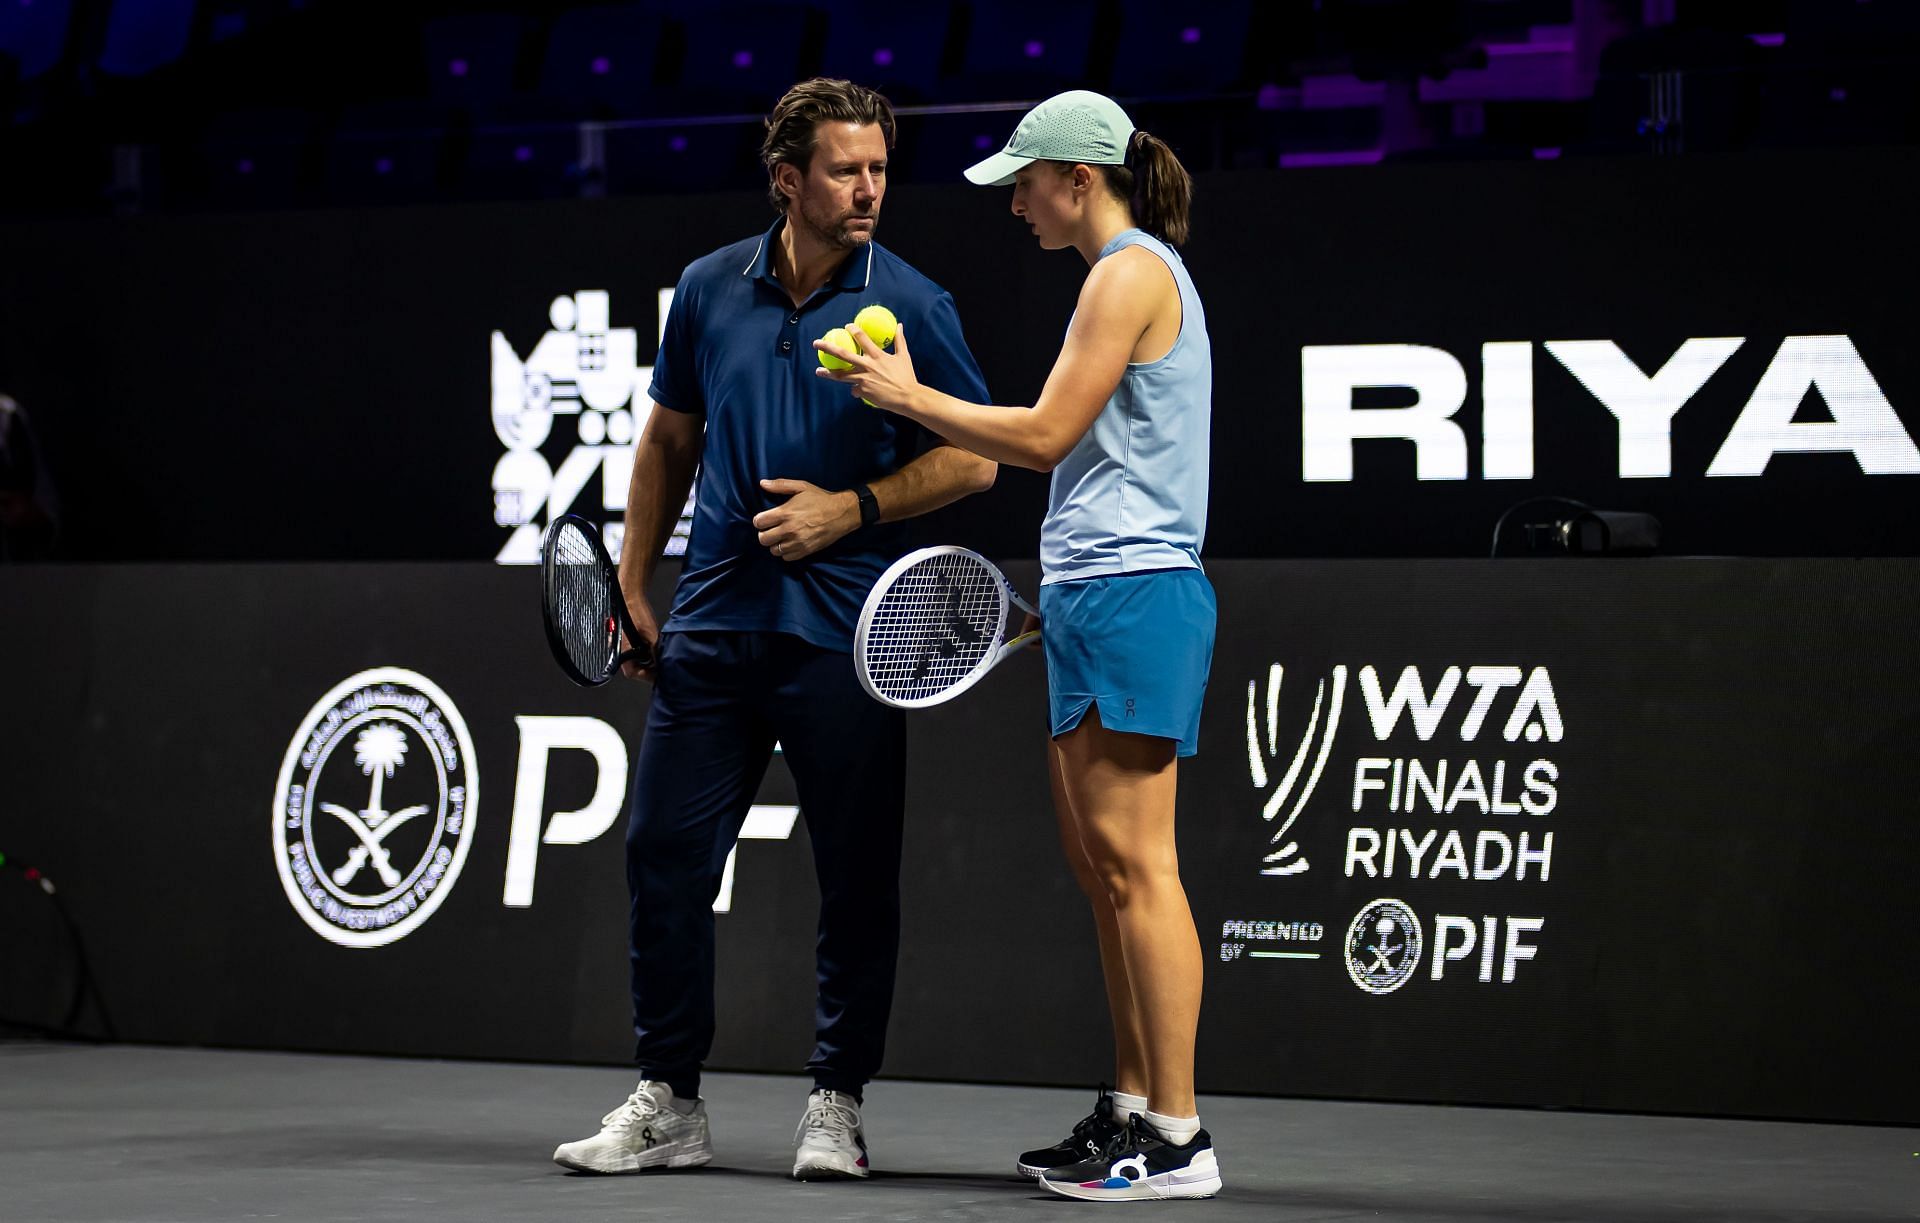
[[644, 1132], [829, 1143]]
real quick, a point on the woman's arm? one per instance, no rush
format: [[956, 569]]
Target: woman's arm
[[1119, 300]]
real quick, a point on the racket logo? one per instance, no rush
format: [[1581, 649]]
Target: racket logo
[[374, 810], [956, 632], [935, 622]]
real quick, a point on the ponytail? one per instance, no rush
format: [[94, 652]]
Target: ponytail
[[1156, 186]]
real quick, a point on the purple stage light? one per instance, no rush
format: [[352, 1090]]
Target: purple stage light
[[1837, 94], [243, 166], [983, 142], [883, 56], [1539, 47], [1191, 34], [1768, 40], [743, 59], [678, 144], [1269, 97], [458, 67], [523, 154], [1345, 157], [1035, 48], [1547, 153], [383, 166], [600, 65]]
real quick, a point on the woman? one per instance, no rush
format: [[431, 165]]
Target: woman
[[1122, 424]]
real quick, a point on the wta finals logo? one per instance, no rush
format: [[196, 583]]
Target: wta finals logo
[[374, 810], [1451, 777], [1283, 860], [580, 396], [1535, 715]]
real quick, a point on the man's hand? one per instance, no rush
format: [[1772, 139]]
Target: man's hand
[[811, 519], [642, 613]]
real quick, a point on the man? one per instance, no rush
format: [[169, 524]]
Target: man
[[802, 490]]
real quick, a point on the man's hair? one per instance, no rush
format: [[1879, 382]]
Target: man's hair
[[793, 126]]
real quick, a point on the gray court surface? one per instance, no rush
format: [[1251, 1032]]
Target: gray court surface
[[131, 1133]]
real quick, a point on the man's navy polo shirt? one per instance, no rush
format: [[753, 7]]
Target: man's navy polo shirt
[[738, 350]]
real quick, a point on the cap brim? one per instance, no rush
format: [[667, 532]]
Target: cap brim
[[998, 170]]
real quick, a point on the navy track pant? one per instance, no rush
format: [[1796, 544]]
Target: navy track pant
[[721, 701]]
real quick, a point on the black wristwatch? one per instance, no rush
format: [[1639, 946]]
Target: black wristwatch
[[869, 505]]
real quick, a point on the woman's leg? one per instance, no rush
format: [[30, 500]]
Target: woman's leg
[[1129, 1051], [1120, 790]]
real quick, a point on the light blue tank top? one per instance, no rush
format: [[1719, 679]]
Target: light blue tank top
[[1133, 494]]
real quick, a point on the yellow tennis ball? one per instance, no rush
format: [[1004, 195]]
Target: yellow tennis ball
[[879, 324], [839, 338]]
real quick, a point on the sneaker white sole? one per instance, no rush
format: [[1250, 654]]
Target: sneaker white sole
[[1030, 1172], [825, 1167], [614, 1163], [1167, 1185]]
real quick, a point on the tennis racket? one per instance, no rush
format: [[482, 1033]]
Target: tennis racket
[[933, 625], [580, 601]]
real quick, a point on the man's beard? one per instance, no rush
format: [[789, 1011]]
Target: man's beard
[[834, 231]]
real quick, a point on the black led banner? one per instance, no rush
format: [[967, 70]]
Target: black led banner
[[1401, 354], [1624, 836]]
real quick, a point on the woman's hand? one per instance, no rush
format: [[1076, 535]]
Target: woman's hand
[[883, 379], [1031, 625]]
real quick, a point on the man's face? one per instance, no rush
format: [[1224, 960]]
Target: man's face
[[838, 196]]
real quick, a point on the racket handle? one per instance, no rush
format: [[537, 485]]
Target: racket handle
[[642, 653], [642, 658]]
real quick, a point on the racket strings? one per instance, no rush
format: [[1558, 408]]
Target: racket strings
[[933, 627], [582, 603]]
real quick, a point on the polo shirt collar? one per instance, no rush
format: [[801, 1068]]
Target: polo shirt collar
[[855, 271]]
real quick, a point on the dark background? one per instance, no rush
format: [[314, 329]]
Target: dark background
[[1731, 879], [314, 385]]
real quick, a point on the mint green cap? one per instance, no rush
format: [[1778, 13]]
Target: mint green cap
[[1076, 126]]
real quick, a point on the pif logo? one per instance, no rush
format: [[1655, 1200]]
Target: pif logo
[[1383, 946], [1385, 942], [374, 811]]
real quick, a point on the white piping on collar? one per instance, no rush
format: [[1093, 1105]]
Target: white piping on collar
[[866, 283], [756, 255]]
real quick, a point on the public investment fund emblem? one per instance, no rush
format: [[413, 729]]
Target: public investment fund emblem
[[375, 807], [1383, 946]]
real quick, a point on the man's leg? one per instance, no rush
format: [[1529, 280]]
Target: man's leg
[[848, 756], [706, 748]]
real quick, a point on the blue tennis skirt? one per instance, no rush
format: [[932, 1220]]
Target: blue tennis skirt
[[1139, 645]]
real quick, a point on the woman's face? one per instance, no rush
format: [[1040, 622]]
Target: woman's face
[[1043, 197]]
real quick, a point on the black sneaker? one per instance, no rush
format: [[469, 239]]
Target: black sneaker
[[1089, 1138], [1141, 1164]]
